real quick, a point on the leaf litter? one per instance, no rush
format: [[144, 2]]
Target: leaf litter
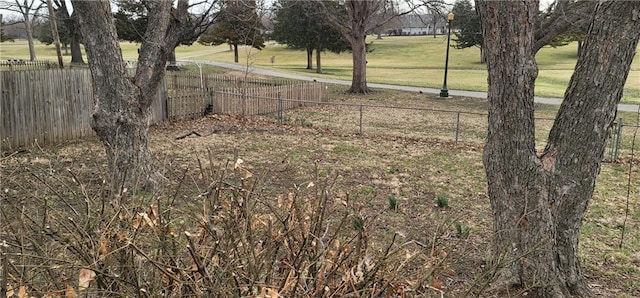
[[369, 168]]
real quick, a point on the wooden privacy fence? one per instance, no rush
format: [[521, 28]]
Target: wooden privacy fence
[[193, 80], [190, 103], [45, 106], [19, 64], [189, 94], [50, 106]]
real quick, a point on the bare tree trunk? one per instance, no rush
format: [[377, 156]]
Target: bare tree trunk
[[318, 62], [355, 33], [54, 32], [71, 23], [76, 50], [539, 202], [309, 58], [122, 105], [518, 210], [359, 53], [359, 12], [236, 56], [28, 27], [121, 112], [587, 114]]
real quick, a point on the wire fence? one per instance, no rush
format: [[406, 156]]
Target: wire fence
[[286, 105], [454, 126]]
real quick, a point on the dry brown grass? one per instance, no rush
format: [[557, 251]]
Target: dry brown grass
[[404, 154]]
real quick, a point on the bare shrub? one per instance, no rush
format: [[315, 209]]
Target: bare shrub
[[228, 240]]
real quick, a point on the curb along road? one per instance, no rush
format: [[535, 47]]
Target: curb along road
[[273, 73]]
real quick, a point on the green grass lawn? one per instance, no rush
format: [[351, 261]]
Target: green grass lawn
[[411, 61]]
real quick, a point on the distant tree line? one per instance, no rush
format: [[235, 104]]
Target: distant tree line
[[301, 25]]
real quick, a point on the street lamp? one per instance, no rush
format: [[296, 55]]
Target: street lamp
[[445, 92]]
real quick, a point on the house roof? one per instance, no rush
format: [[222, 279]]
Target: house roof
[[419, 21]]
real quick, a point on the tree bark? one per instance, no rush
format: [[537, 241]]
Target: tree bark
[[359, 12], [359, 55], [309, 58], [54, 32], [236, 56], [76, 50], [318, 61], [71, 23], [122, 105], [578, 138], [121, 113], [355, 33], [539, 202], [28, 27]]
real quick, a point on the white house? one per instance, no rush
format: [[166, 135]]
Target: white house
[[425, 24]]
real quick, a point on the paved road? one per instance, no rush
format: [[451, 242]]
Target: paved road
[[273, 73]]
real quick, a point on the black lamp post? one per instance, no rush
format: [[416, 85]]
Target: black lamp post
[[445, 91]]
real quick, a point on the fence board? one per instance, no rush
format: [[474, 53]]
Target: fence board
[[55, 105], [19, 64]]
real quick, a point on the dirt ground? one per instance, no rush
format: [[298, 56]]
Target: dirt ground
[[439, 187]]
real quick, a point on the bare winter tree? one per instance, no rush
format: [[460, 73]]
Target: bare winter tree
[[363, 18], [70, 22], [562, 16], [539, 200], [29, 10], [122, 104]]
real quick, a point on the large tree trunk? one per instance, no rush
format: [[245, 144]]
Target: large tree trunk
[[578, 138], [122, 105], [309, 58], [71, 23], [514, 181], [76, 50], [359, 53], [539, 203], [74, 35], [359, 12], [355, 33], [121, 113]]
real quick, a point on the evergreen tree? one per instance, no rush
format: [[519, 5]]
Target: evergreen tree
[[237, 23], [301, 25], [131, 24], [131, 20], [4, 37], [43, 31], [466, 25]]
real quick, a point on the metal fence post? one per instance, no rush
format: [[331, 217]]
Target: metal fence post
[[457, 127], [361, 107], [618, 139]]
